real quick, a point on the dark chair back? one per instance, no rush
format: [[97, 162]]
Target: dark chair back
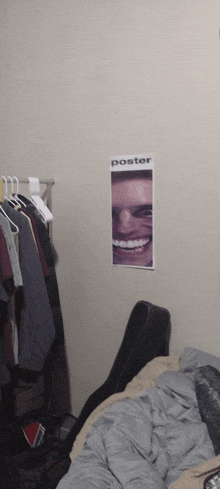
[[146, 336]]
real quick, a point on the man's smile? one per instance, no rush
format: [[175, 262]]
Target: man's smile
[[136, 245]]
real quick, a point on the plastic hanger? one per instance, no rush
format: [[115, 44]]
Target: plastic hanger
[[3, 211], [10, 198], [15, 196], [5, 196], [34, 187]]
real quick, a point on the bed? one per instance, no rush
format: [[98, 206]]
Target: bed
[[161, 432]]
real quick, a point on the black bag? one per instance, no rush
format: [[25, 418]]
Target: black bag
[[35, 467]]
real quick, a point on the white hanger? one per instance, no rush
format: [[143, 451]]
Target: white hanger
[[6, 187], [34, 187], [11, 199], [15, 196], [3, 211]]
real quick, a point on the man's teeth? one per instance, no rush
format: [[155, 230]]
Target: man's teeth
[[130, 244]]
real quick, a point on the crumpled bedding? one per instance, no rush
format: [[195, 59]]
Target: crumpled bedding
[[147, 439]]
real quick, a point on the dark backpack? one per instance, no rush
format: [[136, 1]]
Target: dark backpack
[[35, 467]]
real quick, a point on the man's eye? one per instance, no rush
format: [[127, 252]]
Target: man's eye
[[147, 213]]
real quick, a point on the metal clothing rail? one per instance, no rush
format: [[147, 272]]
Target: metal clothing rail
[[48, 181], [46, 196]]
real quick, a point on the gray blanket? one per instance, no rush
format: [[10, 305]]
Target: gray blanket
[[145, 443]]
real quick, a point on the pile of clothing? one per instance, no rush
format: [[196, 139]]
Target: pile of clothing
[[32, 345]]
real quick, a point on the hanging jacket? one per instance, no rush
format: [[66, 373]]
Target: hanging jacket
[[37, 331], [56, 370]]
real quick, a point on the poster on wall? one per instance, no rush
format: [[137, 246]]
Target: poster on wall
[[132, 210]]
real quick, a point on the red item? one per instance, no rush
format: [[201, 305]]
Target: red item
[[34, 434]]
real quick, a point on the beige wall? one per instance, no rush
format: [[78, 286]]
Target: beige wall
[[83, 80]]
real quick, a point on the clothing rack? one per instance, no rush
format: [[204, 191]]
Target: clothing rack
[[32, 335], [46, 196]]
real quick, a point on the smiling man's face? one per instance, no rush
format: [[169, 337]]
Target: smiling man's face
[[132, 221]]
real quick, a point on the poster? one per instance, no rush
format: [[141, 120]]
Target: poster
[[132, 210]]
